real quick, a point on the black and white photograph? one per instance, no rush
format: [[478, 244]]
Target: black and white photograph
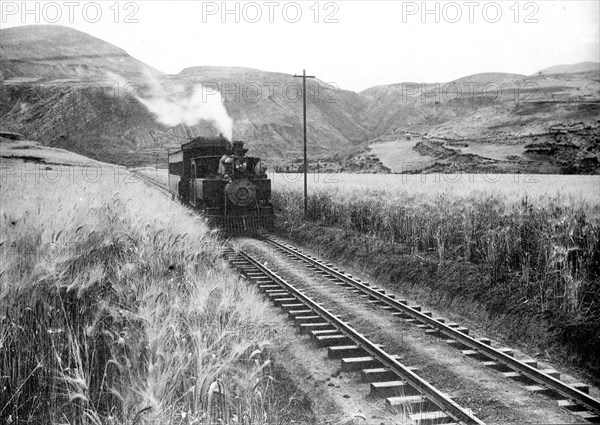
[[309, 212]]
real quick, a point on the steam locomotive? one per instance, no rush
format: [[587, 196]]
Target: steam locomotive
[[216, 177]]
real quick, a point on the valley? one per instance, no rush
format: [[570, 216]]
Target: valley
[[54, 91]]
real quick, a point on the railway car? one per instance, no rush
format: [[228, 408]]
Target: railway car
[[216, 177]]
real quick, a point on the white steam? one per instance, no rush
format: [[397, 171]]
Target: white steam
[[180, 106]]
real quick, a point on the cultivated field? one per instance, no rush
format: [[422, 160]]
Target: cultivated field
[[511, 186], [534, 240], [116, 307], [532, 245]]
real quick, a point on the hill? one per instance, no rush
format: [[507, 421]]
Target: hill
[[489, 77], [537, 124], [90, 103], [48, 52], [112, 107], [571, 69], [14, 149], [266, 108]]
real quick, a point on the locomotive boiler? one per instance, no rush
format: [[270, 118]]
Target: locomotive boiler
[[216, 177]]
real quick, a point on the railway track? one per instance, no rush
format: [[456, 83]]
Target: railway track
[[573, 397], [405, 390], [152, 183]]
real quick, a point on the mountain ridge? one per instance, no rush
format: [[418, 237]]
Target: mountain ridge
[[342, 124], [55, 51], [570, 68]]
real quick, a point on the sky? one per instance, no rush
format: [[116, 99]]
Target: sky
[[353, 44]]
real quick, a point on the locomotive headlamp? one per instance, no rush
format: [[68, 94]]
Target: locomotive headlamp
[[241, 165]]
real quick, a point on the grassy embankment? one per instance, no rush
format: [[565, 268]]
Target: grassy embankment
[[115, 307], [528, 268]]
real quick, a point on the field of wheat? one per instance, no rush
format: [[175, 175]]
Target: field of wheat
[[545, 228], [510, 186], [535, 238], [541, 252], [116, 308], [552, 242]]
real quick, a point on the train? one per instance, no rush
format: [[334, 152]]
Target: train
[[217, 178]]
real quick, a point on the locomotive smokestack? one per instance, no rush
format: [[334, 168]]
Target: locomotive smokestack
[[238, 148]]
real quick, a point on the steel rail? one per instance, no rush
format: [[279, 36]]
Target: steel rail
[[150, 182], [444, 402], [532, 373]]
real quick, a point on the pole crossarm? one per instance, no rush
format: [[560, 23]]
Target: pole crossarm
[[304, 77]]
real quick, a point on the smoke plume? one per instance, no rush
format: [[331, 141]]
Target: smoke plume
[[178, 108], [179, 105]]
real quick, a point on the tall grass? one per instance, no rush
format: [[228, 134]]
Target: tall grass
[[115, 307], [545, 251]]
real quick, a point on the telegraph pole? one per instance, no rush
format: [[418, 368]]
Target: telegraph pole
[[304, 77], [168, 168], [156, 168]]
